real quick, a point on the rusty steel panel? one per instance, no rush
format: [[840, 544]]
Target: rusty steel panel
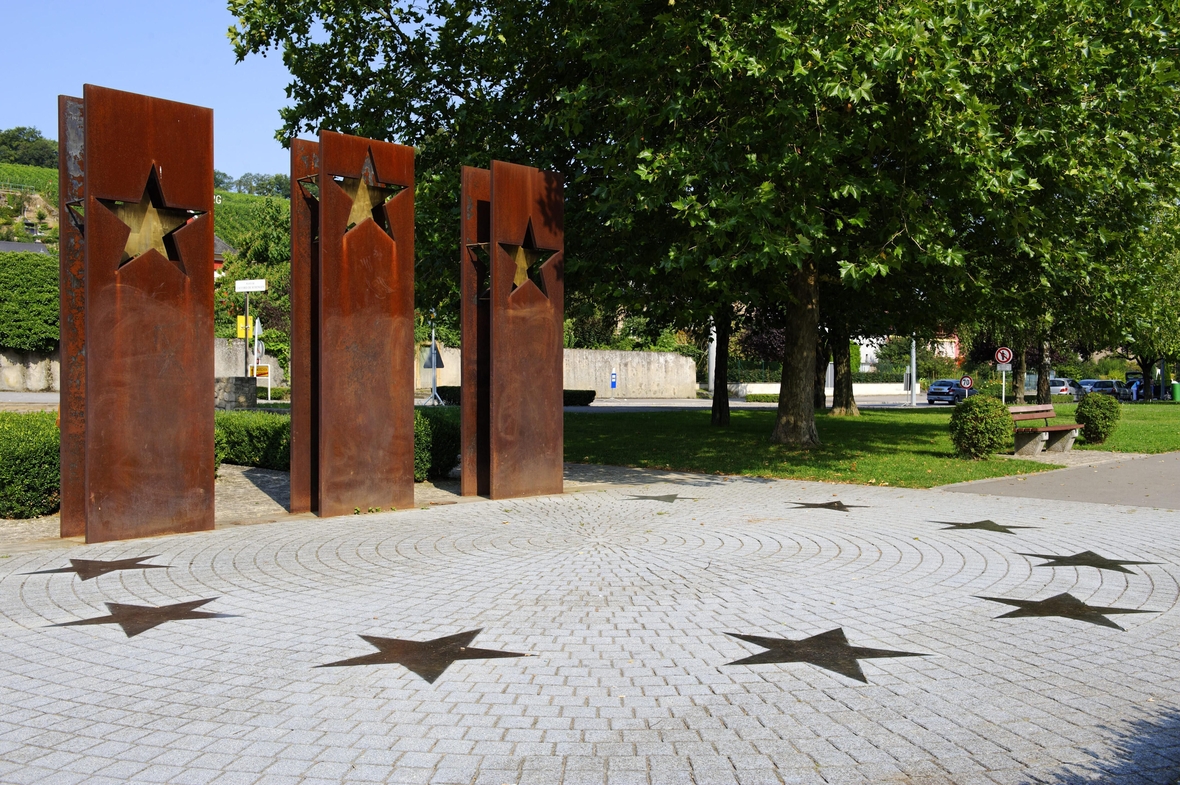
[[71, 154], [474, 216], [305, 169], [526, 309], [366, 325], [148, 238]]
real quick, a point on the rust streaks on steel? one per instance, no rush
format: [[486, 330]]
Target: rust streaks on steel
[[147, 202], [71, 150], [522, 356], [366, 325], [475, 231], [305, 169]]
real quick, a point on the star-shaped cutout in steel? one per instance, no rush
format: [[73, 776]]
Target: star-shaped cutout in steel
[[428, 659], [669, 498], [836, 505], [1086, 559], [829, 650], [526, 257], [150, 222], [135, 619], [368, 196], [87, 569], [990, 526], [1065, 606]]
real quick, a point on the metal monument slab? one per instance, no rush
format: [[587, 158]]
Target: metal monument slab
[[512, 418], [352, 239], [136, 178]]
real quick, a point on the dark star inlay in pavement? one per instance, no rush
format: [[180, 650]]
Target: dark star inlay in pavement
[[836, 505], [1065, 606], [829, 650], [989, 526], [87, 569], [669, 498], [1086, 559], [135, 619], [428, 659]]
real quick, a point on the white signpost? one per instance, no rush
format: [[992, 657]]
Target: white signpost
[[248, 285], [1004, 364]]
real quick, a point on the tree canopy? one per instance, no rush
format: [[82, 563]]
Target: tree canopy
[[24, 145]]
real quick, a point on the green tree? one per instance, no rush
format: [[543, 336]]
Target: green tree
[[24, 145]]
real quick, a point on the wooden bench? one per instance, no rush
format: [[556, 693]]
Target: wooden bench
[[1051, 438]]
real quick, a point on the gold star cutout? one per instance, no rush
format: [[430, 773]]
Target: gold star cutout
[[526, 256], [151, 223], [368, 196]]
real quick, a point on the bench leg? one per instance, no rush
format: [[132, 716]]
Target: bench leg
[[1060, 441], [1029, 443]]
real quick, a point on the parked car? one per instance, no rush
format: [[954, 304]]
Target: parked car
[[1087, 384], [947, 391], [1112, 387], [1066, 387]]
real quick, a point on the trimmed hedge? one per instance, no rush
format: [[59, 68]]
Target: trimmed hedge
[[29, 301], [445, 438], [30, 464], [422, 440], [980, 427], [1098, 415], [451, 396], [762, 398]]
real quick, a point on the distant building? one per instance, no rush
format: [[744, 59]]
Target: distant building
[[220, 249], [9, 247]]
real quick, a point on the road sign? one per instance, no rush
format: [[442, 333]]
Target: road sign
[[1003, 367], [1004, 355], [250, 285], [967, 382]]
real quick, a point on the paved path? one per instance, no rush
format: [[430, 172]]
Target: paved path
[[634, 614], [1143, 480]]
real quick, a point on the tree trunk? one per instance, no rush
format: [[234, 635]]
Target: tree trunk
[[821, 370], [722, 321], [795, 422], [842, 401], [1147, 388], [1043, 362], [1019, 369]]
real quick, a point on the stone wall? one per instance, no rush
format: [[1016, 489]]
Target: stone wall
[[29, 371], [229, 360], [638, 374], [234, 392]]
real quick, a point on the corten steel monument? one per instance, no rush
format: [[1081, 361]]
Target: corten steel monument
[[136, 188], [352, 317], [511, 252]]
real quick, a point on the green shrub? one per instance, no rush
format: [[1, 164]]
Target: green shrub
[[29, 301], [762, 398], [577, 397], [256, 439], [450, 395], [445, 438], [220, 447], [980, 426], [422, 443], [1061, 399], [30, 464], [1097, 414]]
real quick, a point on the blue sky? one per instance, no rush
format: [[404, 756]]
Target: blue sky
[[165, 48]]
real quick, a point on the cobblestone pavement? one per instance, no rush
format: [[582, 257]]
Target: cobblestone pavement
[[624, 606]]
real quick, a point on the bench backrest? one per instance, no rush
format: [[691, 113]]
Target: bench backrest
[[1043, 411]]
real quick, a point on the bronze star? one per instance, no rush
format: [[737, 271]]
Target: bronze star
[[669, 498], [1065, 606], [526, 256], [135, 619], [428, 659], [986, 525], [87, 569], [836, 505], [829, 650], [150, 222], [368, 197], [1086, 559]]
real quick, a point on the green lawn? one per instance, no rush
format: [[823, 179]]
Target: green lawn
[[1143, 427], [910, 448]]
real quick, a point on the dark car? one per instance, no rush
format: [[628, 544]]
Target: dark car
[[1112, 387], [947, 391]]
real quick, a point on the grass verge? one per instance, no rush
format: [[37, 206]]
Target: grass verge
[[1142, 427], [908, 448]]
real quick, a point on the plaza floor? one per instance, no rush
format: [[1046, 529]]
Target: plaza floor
[[647, 628]]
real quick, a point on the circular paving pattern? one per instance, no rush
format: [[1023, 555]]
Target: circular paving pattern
[[871, 637]]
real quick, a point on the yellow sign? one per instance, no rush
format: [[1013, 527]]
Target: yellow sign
[[260, 370], [245, 330]]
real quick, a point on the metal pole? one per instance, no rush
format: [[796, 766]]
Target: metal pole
[[914, 371], [246, 337], [712, 354], [1004, 387]]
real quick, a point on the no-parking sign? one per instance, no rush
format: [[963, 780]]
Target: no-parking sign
[[1003, 355]]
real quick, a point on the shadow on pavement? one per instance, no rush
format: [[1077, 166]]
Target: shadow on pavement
[[275, 484], [1147, 751]]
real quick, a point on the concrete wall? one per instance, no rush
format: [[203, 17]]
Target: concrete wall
[[639, 374], [229, 360], [29, 371], [448, 376], [858, 390]]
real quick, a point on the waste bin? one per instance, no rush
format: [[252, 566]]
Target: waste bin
[[1176, 391]]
